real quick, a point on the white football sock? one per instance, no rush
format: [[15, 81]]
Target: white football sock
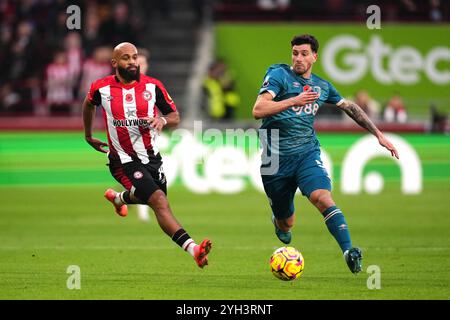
[[189, 246], [118, 200]]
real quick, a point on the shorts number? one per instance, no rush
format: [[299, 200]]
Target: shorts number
[[161, 173]]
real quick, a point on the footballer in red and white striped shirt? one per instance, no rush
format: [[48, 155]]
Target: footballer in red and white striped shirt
[[127, 109], [130, 103]]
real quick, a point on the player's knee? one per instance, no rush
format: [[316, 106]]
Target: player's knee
[[158, 201], [315, 198], [321, 199]]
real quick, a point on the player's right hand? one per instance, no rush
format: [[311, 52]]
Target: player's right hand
[[97, 144], [155, 122], [305, 97], [388, 145]]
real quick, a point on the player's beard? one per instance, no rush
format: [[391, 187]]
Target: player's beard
[[129, 75], [301, 70]]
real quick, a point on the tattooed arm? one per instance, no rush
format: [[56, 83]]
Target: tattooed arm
[[356, 113], [360, 117]]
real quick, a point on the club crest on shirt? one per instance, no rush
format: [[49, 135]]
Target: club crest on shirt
[[109, 98], [146, 95], [296, 84], [138, 174], [129, 97]]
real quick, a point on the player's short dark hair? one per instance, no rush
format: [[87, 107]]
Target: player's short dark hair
[[306, 39]]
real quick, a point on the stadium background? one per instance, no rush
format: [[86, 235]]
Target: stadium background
[[52, 182]]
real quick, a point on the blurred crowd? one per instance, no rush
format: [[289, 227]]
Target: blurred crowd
[[393, 110], [220, 96], [325, 10], [46, 67]]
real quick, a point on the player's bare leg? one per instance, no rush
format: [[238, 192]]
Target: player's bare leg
[[321, 199], [160, 205], [285, 224], [283, 228], [336, 224], [166, 220]]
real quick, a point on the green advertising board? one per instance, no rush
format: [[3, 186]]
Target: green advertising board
[[410, 59], [216, 162]]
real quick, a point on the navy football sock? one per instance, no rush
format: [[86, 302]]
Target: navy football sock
[[335, 221]]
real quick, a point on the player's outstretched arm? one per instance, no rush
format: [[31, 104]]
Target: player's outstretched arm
[[265, 106], [356, 113], [88, 120]]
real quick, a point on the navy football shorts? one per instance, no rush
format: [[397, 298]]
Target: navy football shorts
[[305, 172]]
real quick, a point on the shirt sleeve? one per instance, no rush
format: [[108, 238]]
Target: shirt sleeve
[[273, 83], [334, 97], [93, 95], [164, 101]]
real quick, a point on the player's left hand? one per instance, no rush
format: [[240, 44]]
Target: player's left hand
[[388, 145], [97, 144], [156, 123]]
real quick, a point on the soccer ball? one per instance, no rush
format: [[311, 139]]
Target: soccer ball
[[287, 263]]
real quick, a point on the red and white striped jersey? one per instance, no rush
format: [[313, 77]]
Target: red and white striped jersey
[[124, 106]]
